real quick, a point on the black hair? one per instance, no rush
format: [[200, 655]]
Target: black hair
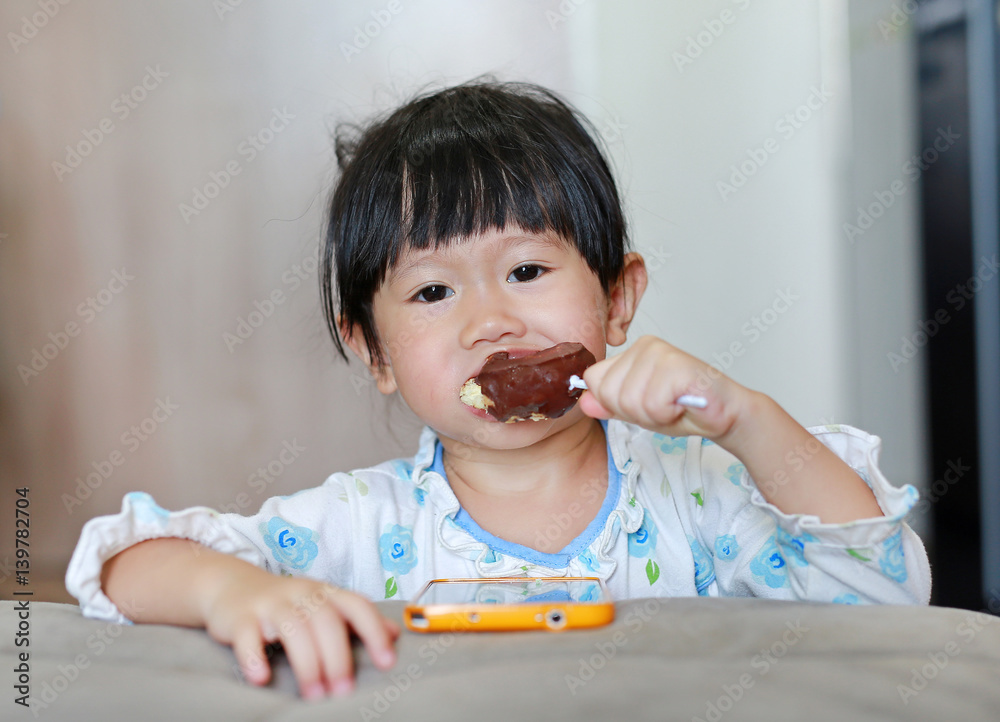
[[455, 163]]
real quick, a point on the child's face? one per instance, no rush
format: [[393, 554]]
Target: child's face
[[440, 313]]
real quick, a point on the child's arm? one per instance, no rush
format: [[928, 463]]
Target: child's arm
[[793, 471], [176, 581]]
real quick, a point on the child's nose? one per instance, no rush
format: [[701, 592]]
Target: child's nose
[[490, 317]]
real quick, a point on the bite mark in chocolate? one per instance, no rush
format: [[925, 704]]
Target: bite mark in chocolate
[[534, 387]]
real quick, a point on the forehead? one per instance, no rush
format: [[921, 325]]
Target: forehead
[[490, 244]]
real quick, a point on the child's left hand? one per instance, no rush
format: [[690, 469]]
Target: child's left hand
[[642, 385]]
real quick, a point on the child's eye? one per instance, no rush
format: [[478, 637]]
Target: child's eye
[[527, 272], [430, 294]]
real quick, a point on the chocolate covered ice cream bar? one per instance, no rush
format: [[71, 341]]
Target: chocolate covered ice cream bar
[[534, 387]]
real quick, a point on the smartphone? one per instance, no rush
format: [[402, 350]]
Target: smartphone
[[510, 603]]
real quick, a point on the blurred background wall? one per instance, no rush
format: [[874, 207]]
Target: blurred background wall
[[163, 174]]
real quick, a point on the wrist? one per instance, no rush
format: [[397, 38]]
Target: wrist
[[754, 414], [214, 576]]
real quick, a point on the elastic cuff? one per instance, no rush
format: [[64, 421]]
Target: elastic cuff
[[142, 519], [860, 451]]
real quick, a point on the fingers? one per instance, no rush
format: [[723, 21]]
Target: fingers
[[642, 385], [376, 632], [316, 638], [303, 651], [592, 407], [334, 645], [313, 622], [248, 647]]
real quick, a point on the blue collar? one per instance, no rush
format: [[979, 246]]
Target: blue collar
[[560, 559]]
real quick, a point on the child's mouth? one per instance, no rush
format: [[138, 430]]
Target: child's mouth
[[533, 385]]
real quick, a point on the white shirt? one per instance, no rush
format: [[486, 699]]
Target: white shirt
[[681, 517]]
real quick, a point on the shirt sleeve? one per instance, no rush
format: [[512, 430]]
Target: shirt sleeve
[[755, 549], [284, 537]]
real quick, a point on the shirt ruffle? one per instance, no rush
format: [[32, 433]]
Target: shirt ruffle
[[141, 519], [860, 451]]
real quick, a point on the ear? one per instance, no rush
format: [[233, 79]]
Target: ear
[[624, 298], [353, 336]]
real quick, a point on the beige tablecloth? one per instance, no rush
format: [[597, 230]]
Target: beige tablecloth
[[662, 659]]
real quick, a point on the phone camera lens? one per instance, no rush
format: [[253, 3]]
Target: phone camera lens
[[555, 619]]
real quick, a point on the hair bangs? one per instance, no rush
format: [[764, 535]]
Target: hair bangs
[[451, 165]]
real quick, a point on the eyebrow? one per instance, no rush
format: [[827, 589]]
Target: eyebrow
[[408, 268]]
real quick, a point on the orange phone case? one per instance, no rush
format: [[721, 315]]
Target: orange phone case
[[491, 617]]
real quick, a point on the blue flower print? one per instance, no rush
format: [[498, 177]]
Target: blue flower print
[[769, 566], [292, 546], [146, 510], [794, 548], [671, 444], [492, 557], [402, 468], [420, 495], [642, 541], [735, 473], [726, 547], [892, 563], [704, 570], [397, 549], [846, 599], [591, 594], [587, 558]]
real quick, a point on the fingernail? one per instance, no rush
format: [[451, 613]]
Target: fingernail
[[314, 691], [387, 658], [343, 687]]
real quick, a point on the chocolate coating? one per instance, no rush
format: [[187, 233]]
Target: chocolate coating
[[532, 387]]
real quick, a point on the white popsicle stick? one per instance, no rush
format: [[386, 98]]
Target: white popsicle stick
[[695, 402]]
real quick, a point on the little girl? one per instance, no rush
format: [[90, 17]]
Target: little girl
[[484, 218]]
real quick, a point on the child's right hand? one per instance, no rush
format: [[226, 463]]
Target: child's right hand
[[313, 621]]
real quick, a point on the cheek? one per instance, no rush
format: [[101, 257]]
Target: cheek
[[420, 366], [585, 322]]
